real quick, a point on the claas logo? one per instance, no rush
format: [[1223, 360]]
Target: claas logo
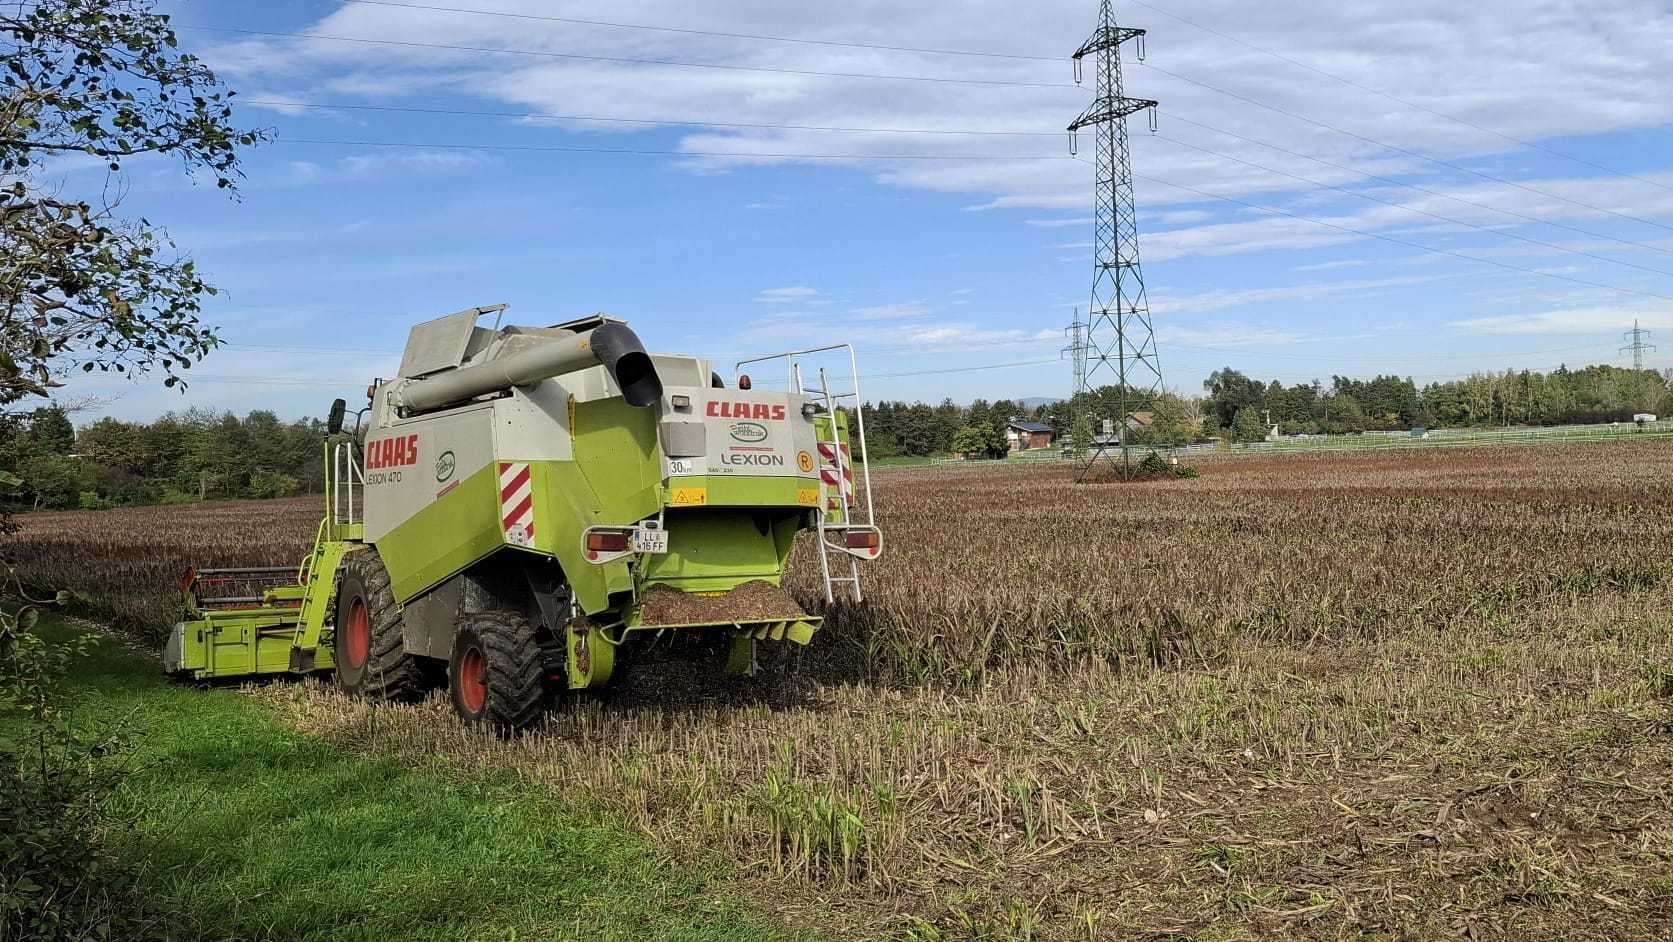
[[398, 452], [745, 410]]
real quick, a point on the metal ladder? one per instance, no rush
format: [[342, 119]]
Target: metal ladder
[[850, 501], [836, 473], [841, 476], [346, 478]]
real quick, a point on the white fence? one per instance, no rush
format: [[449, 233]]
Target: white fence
[[1383, 441]]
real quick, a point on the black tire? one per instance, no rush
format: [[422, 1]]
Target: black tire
[[372, 660], [497, 675]]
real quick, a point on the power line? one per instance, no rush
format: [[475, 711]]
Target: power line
[[1014, 56], [1397, 99], [1414, 358], [787, 156], [545, 116], [702, 32], [770, 156], [1410, 209], [300, 381], [322, 383], [982, 132], [1408, 244], [1172, 116], [627, 60], [921, 78], [1401, 150], [982, 82], [460, 112], [918, 349], [647, 152]]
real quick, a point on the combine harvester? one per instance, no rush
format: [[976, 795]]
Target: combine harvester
[[530, 506]]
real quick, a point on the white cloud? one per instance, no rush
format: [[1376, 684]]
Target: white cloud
[[1178, 217], [435, 162], [288, 105], [892, 312], [1611, 79], [1333, 266], [1162, 303], [1596, 321], [785, 295], [1226, 335], [302, 171]]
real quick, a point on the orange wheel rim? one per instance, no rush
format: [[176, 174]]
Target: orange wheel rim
[[357, 638], [473, 679]]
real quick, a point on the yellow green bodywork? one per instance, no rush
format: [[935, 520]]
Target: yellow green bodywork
[[723, 529]]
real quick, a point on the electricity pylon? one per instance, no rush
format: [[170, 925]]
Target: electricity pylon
[[1120, 344]]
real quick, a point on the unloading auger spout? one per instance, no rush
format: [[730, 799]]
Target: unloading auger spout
[[524, 359]]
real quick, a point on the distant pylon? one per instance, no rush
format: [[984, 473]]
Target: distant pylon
[[1637, 336], [1077, 402], [1120, 344]]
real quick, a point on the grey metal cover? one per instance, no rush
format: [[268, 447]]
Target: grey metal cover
[[440, 344]]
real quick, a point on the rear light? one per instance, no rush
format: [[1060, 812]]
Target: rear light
[[606, 541], [862, 539]]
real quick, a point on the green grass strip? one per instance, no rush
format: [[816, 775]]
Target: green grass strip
[[253, 831]]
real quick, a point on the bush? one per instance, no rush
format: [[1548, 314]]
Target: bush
[[58, 879], [268, 484], [90, 500], [1155, 466]]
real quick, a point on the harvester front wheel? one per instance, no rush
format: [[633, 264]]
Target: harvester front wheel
[[370, 652], [497, 673]]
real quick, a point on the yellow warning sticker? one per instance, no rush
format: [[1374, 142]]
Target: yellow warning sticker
[[690, 496], [807, 496]]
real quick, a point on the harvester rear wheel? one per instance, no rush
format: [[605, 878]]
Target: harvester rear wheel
[[497, 673], [371, 655]]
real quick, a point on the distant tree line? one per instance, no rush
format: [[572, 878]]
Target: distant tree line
[[203, 454], [1244, 406], [1236, 407], [180, 457], [899, 429]]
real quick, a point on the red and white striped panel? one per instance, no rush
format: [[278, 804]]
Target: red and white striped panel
[[516, 502], [829, 469]]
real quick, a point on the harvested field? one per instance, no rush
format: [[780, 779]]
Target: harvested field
[[1413, 696]]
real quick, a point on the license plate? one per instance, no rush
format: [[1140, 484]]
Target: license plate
[[649, 541]]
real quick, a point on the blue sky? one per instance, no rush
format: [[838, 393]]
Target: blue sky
[[1531, 134]]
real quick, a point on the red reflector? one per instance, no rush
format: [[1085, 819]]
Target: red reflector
[[605, 541], [862, 539]]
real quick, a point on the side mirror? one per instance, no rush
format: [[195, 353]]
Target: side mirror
[[334, 422]]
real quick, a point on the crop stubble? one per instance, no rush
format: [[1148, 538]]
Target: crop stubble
[[1411, 696]]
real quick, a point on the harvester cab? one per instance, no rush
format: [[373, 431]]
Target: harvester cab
[[528, 507]]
